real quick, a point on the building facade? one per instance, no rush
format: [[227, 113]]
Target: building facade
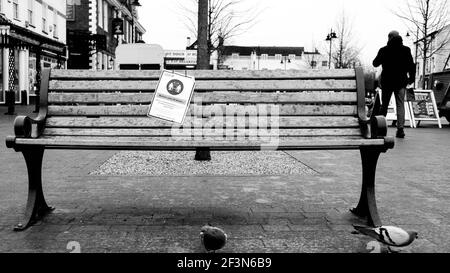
[[270, 58], [32, 37], [438, 62], [96, 27]]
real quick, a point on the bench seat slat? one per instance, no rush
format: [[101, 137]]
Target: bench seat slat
[[213, 143], [211, 97], [198, 132], [205, 74], [221, 122], [220, 85], [207, 110]]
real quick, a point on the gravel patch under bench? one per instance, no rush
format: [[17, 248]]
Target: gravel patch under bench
[[182, 163]]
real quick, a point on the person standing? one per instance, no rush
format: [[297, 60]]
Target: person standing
[[398, 72]]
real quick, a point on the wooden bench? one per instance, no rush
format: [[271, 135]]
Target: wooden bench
[[300, 110]]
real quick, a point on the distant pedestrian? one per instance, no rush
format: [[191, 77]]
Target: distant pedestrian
[[398, 72]]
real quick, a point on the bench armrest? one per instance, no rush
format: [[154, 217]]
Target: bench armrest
[[378, 127], [23, 126]]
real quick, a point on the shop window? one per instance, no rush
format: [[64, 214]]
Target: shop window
[[278, 56]]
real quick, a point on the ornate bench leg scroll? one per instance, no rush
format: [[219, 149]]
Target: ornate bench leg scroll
[[36, 208], [367, 206]]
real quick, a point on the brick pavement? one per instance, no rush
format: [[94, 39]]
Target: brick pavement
[[307, 213]]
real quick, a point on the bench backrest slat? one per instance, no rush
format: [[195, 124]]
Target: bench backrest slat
[[168, 132], [218, 122], [205, 74], [209, 97], [208, 85], [207, 110]]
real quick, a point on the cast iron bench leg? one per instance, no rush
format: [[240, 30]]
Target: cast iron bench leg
[[367, 206], [36, 208]]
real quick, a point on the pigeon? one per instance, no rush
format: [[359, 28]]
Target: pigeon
[[212, 238], [389, 235]]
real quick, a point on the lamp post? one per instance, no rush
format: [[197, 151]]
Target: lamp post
[[134, 5], [416, 44], [330, 36], [285, 60]]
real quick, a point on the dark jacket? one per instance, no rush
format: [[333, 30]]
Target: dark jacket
[[399, 69]]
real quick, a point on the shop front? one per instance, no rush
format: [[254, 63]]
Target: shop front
[[23, 56]]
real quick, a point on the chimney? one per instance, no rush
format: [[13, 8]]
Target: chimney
[[188, 41]]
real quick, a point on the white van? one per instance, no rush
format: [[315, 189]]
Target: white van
[[139, 56]]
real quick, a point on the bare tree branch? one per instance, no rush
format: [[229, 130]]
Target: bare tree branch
[[347, 51], [227, 19], [430, 19]]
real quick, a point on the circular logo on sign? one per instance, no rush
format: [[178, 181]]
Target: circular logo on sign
[[175, 87]]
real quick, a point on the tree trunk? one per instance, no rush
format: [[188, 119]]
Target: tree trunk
[[203, 54], [203, 59]]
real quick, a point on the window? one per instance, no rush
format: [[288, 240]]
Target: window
[[105, 16], [30, 12], [235, 55], [70, 11], [264, 56], [16, 9], [100, 13], [44, 18], [278, 56], [292, 56], [313, 64], [55, 24], [325, 63]]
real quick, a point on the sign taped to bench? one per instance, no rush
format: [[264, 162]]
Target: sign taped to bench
[[172, 97]]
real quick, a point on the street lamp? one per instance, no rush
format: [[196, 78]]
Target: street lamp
[[285, 60], [330, 36], [134, 4]]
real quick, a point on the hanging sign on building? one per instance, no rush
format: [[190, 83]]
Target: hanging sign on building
[[117, 25], [424, 107], [172, 97]]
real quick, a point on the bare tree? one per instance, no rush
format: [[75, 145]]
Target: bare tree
[[226, 19], [347, 51], [426, 20]]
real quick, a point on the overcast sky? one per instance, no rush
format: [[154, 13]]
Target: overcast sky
[[285, 23]]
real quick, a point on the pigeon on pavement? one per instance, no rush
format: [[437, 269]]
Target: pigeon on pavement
[[389, 235], [212, 238]]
